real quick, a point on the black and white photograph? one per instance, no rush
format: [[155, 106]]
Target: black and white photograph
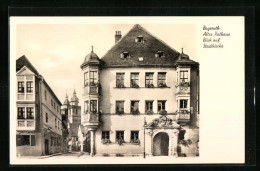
[[129, 90]]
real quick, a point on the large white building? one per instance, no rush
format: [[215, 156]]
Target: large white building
[[140, 84]]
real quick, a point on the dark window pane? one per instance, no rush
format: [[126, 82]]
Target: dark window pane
[[32, 140], [20, 87], [29, 85]]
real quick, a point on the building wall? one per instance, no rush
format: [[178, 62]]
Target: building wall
[[29, 100], [126, 123], [194, 96], [53, 112], [110, 93], [192, 149], [31, 150]]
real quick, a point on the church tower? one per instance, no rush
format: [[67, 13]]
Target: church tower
[[91, 96], [75, 111]]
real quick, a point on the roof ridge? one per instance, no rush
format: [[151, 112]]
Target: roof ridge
[[119, 40], [138, 25], [158, 39], [37, 72]]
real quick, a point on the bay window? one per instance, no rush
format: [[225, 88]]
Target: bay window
[[93, 78], [93, 106]]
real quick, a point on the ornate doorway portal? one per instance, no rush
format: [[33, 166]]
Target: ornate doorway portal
[[161, 144]]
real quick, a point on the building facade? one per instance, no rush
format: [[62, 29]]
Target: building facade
[[71, 113], [39, 124], [140, 98]]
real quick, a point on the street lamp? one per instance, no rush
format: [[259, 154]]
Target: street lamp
[[145, 124]]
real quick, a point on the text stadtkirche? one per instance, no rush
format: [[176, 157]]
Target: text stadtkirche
[[212, 37]]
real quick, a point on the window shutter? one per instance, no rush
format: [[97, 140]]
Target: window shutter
[[32, 140]]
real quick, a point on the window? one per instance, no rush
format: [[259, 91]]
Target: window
[[160, 54], [93, 106], [120, 79], [183, 76], [21, 113], [45, 94], [55, 123], [30, 113], [134, 136], [149, 79], [135, 80], [93, 77], [162, 79], [119, 107], [46, 118], [183, 104], [139, 39], [105, 135], [52, 141], [148, 106], [51, 102], [29, 85], [161, 105], [25, 140], [76, 111], [125, 55], [86, 78], [135, 107], [119, 135], [86, 106], [54, 105], [20, 87]]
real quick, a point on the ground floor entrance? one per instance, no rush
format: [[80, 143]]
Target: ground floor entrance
[[161, 144], [46, 146]]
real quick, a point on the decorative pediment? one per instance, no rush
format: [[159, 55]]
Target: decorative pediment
[[163, 122], [25, 71]]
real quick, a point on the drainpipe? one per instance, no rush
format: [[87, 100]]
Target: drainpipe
[[145, 124], [40, 112]]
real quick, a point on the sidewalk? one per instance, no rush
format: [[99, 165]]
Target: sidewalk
[[51, 155]]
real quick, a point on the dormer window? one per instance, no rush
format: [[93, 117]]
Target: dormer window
[[139, 39], [160, 54], [125, 55]]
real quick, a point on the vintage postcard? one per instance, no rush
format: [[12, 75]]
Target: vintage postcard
[[127, 90]]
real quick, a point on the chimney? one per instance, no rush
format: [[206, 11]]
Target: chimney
[[118, 36]]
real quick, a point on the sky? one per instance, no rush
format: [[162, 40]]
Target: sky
[[58, 50]]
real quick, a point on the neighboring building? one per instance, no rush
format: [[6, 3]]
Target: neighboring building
[[140, 83], [39, 126], [71, 113]]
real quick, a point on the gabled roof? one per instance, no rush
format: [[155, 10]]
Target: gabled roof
[[23, 61], [147, 49]]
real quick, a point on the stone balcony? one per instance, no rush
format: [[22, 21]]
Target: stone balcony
[[183, 116], [91, 120], [183, 88], [25, 124], [92, 89]]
